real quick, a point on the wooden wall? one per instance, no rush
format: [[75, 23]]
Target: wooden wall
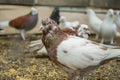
[[69, 3], [17, 2]]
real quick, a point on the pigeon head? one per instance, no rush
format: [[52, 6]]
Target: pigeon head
[[34, 11], [84, 28], [50, 32], [49, 26], [83, 31], [110, 13]]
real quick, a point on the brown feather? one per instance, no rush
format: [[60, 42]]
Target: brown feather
[[26, 22], [18, 22]]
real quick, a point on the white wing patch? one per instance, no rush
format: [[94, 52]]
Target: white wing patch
[[80, 53]]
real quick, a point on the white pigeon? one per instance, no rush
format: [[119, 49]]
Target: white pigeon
[[94, 22], [66, 24], [118, 19], [83, 31], [108, 28], [118, 22]]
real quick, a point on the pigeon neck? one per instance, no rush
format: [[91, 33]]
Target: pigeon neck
[[52, 42], [33, 13], [53, 39], [109, 19]]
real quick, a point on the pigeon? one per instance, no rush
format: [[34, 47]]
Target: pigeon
[[23, 23], [108, 28], [69, 25], [83, 31], [37, 46], [94, 22], [118, 19], [76, 56], [55, 15]]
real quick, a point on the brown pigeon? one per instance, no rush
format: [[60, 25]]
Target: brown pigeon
[[23, 23]]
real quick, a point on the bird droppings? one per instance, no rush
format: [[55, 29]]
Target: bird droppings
[[17, 63]]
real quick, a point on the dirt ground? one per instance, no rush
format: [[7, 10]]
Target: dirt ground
[[17, 63]]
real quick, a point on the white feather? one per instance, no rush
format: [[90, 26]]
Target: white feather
[[94, 22], [43, 51], [108, 28], [35, 43], [66, 24], [4, 24], [34, 11], [79, 53], [118, 19], [38, 46], [83, 31]]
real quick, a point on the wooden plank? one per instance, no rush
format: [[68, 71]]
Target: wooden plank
[[82, 10], [115, 4], [75, 3], [25, 2], [69, 3]]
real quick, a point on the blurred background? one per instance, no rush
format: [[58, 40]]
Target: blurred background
[[67, 3], [72, 9]]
